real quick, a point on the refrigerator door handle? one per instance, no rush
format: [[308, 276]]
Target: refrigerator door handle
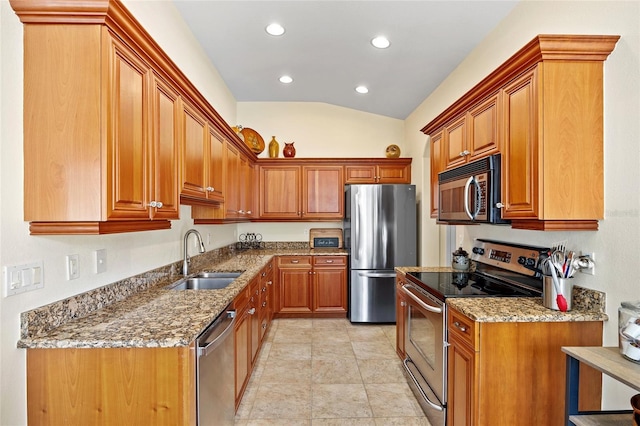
[[377, 274], [356, 224]]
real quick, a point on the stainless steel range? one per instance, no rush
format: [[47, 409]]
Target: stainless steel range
[[500, 269]]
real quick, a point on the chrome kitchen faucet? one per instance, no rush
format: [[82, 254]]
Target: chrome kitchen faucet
[[186, 258]]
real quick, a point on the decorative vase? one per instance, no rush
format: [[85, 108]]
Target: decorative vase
[[274, 148], [289, 150]]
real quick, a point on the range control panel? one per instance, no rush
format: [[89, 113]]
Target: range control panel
[[519, 258]]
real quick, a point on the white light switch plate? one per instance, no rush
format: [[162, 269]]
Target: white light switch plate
[[22, 278], [72, 266]]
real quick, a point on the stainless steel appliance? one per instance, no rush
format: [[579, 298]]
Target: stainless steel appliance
[[215, 384], [501, 269], [471, 193], [380, 234]]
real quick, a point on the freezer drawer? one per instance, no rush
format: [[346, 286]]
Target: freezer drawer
[[372, 296]]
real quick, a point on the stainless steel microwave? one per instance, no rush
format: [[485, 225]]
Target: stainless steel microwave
[[471, 193]]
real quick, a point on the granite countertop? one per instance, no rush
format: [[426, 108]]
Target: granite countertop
[[588, 305], [150, 315]]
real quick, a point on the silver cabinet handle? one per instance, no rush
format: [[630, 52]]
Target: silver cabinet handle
[[295, 261], [499, 205], [403, 303], [460, 327], [210, 189], [269, 282], [248, 211], [251, 311], [264, 304], [328, 261], [156, 204], [241, 211], [464, 153]]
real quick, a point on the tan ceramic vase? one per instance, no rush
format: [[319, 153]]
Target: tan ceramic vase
[[289, 150], [274, 148]]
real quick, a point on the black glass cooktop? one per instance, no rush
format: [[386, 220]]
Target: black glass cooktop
[[464, 284]]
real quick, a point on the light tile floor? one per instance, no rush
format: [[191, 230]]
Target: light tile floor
[[329, 372]]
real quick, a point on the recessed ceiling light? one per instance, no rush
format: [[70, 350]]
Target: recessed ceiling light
[[286, 79], [275, 29], [380, 42], [362, 89]]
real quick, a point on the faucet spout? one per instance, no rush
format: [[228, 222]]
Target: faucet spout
[[186, 259]]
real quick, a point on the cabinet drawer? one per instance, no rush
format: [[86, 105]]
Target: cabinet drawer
[[463, 327], [329, 260], [241, 300], [284, 261]]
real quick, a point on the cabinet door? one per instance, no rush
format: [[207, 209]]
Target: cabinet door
[[255, 313], [394, 173], [242, 339], [437, 166], [359, 173], [127, 134], [166, 152], [323, 192], [401, 312], [294, 284], [456, 149], [215, 167], [247, 171], [232, 190], [484, 128], [329, 284], [195, 140], [280, 187], [520, 157], [461, 384]]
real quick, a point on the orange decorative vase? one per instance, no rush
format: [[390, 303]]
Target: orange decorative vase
[[289, 150]]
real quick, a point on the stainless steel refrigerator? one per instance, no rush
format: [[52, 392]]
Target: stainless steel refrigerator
[[380, 234]]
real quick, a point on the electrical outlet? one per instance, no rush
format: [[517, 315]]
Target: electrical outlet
[[306, 232], [592, 270], [72, 266]]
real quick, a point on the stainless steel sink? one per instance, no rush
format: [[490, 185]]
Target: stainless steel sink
[[206, 281], [218, 275]]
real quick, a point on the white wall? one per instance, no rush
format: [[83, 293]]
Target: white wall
[[617, 243]]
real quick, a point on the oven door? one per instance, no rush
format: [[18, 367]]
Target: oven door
[[426, 362]]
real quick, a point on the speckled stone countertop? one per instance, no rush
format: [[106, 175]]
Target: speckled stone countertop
[[587, 305], [141, 312]]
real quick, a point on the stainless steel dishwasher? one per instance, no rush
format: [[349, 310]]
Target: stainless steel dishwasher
[[215, 372]]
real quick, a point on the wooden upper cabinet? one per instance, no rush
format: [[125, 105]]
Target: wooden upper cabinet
[[280, 192], [484, 128], [322, 192], [520, 189], [165, 151], [455, 145], [301, 191], [377, 171], [437, 166], [474, 135], [247, 183], [118, 168], [105, 173], [543, 111], [216, 170], [194, 141]]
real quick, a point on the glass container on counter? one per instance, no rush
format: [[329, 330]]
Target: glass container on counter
[[629, 330]]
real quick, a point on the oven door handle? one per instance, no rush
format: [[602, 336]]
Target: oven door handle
[[415, 298], [413, 377]]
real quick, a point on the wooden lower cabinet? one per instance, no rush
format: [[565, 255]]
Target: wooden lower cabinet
[[111, 386], [401, 316], [513, 373], [312, 286], [253, 317]]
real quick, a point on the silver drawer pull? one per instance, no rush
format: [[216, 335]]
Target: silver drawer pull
[[264, 304], [295, 261], [251, 311], [460, 327]]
